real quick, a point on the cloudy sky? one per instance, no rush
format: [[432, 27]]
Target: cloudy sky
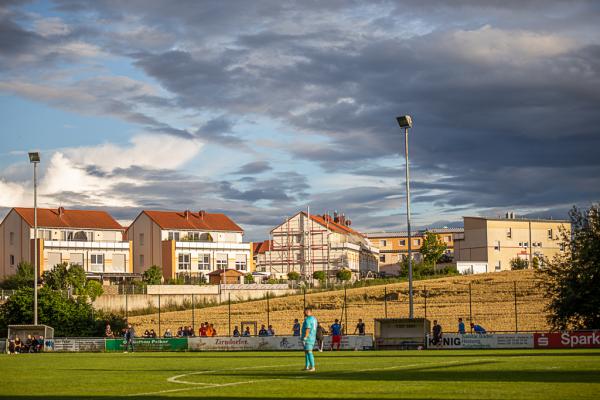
[[260, 108]]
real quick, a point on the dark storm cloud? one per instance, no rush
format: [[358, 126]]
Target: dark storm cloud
[[253, 168]]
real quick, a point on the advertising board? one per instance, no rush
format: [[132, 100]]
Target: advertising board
[[567, 340], [483, 341], [145, 344], [271, 343]]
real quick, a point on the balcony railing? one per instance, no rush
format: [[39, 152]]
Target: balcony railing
[[212, 245], [71, 244]]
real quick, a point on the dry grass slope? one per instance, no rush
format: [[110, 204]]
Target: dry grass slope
[[490, 302]]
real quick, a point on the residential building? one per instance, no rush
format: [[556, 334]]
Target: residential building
[[186, 243], [489, 244], [92, 239], [393, 246], [307, 243]]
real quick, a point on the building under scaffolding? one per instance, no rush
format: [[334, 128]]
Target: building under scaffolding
[[306, 243]]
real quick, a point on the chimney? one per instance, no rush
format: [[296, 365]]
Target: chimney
[[342, 219], [201, 214], [186, 214], [61, 211], [336, 218], [348, 222]]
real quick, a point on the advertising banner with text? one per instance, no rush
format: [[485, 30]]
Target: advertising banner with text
[[567, 340], [144, 344], [271, 343], [76, 344], [483, 341]]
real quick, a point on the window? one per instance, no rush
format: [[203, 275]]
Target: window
[[417, 242], [97, 262], [562, 247], [141, 239], [221, 261], [549, 233], [383, 243], [194, 236], [497, 245], [12, 260], [204, 262], [141, 260], [184, 262], [520, 244], [12, 238], [509, 233], [174, 236], [240, 262], [526, 244], [402, 242], [498, 266], [448, 239], [382, 258]]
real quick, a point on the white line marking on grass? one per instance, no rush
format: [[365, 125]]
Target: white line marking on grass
[[208, 386], [175, 379]]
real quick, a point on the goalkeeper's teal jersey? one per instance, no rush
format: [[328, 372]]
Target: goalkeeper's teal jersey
[[310, 322]]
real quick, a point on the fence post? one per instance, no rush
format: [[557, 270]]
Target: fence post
[[516, 314], [304, 291], [229, 311], [470, 308], [268, 311], [385, 300], [193, 315], [425, 295], [346, 310], [126, 306], [158, 315]]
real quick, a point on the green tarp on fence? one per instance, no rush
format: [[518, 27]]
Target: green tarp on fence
[[143, 344]]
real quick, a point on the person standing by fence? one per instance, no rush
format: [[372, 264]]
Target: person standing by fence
[[336, 334], [129, 335], [461, 326]]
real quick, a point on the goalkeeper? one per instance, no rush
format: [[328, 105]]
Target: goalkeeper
[[309, 335]]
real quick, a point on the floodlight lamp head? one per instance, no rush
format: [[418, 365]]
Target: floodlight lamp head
[[405, 121], [34, 157]]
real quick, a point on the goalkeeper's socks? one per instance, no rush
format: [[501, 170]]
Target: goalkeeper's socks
[[307, 360], [311, 359]]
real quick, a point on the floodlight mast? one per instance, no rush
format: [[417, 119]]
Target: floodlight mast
[[34, 158], [405, 121]]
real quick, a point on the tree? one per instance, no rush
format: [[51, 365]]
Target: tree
[[22, 278], [293, 276], [249, 278], [344, 275], [432, 249], [572, 278], [153, 275], [319, 275], [93, 289], [518, 263]]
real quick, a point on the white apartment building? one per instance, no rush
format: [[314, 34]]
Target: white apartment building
[[186, 243], [92, 239], [306, 244]]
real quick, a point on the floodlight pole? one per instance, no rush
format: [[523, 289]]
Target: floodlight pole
[[405, 122], [34, 158]]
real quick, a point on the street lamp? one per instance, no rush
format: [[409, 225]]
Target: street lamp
[[34, 158], [405, 121]]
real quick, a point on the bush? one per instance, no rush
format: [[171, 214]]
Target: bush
[[93, 289], [319, 275], [518, 263], [21, 279], [249, 278], [344, 275], [153, 275], [293, 276]]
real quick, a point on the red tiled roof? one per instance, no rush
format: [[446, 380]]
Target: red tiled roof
[[62, 218], [220, 272], [200, 220], [334, 226], [261, 247]]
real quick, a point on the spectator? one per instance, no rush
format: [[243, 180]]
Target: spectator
[[263, 331], [28, 345], [180, 331], [336, 334], [247, 331], [209, 330], [296, 327], [321, 332], [152, 333], [11, 346], [270, 331], [168, 333], [437, 334], [129, 335], [202, 330], [18, 345], [236, 332], [461, 326], [478, 328], [107, 331], [360, 327], [146, 333], [214, 330]]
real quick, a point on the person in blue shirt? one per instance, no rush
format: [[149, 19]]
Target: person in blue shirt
[[336, 334], [296, 327], [461, 326], [309, 336], [477, 328]]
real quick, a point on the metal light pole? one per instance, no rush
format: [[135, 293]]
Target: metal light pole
[[405, 122], [34, 158]]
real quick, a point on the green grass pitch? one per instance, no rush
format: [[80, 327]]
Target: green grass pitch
[[473, 374]]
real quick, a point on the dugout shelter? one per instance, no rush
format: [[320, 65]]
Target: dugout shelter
[[401, 333]]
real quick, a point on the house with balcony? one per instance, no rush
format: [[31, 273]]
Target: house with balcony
[[92, 239], [188, 244]]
